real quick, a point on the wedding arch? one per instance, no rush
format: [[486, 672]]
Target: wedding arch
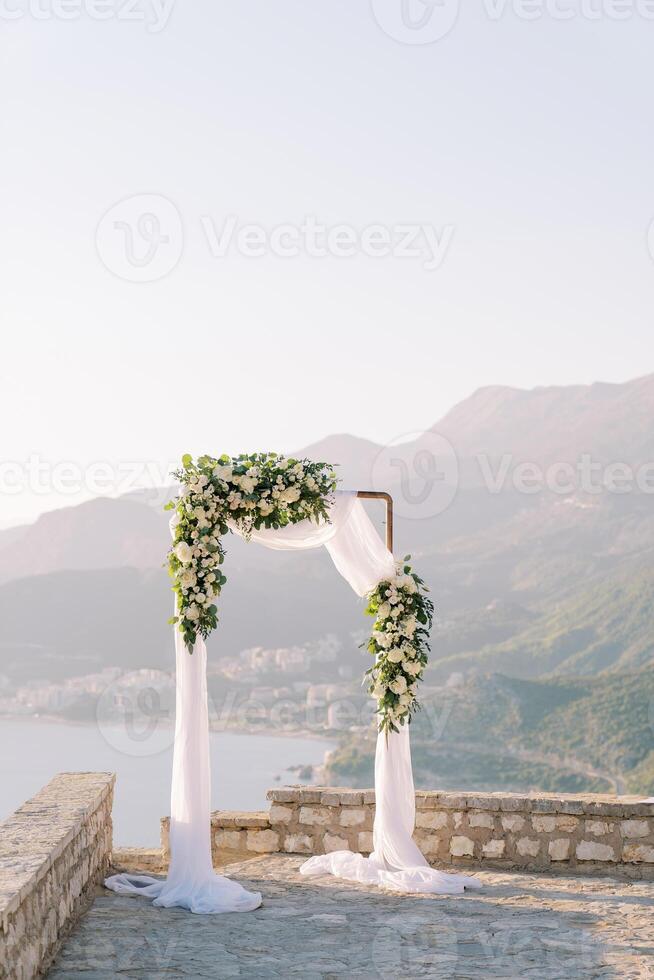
[[289, 504]]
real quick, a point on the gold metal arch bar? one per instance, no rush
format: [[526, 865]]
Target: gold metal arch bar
[[382, 495]]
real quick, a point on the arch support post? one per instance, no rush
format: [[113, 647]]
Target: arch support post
[[382, 495]]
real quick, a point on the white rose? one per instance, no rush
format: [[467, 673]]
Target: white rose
[[412, 667], [290, 495], [248, 484], [183, 552], [192, 613], [398, 686], [409, 626], [384, 610], [187, 579], [395, 655]]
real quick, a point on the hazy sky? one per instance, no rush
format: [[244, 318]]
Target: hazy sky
[[526, 148]]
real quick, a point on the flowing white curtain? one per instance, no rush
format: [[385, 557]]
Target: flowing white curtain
[[360, 556]]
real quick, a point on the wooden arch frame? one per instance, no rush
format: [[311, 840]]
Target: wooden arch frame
[[382, 495]]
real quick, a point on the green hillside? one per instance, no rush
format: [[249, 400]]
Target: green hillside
[[606, 624], [562, 735]]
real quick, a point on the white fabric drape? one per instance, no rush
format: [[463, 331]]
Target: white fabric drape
[[191, 883], [362, 559]]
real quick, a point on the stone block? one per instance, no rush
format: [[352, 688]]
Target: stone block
[[570, 806], [512, 803], [281, 814], [559, 849], [598, 828], [528, 847], [311, 794], [481, 820], [461, 847], [333, 843], [331, 797], [286, 794], [425, 801], [298, 844], [447, 801], [513, 823], [429, 845], [262, 841], [544, 804], [364, 841], [635, 828], [543, 824], [484, 801], [493, 848], [567, 823], [351, 797], [230, 840], [431, 819], [638, 854], [239, 819], [590, 850], [315, 815], [352, 817]]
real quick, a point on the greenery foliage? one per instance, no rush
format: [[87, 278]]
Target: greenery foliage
[[248, 492], [400, 643]]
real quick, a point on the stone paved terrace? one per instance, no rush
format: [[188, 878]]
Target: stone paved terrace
[[521, 925]]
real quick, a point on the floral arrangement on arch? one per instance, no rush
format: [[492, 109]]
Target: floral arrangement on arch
[[266, 490], [399, 643], [260, 490]]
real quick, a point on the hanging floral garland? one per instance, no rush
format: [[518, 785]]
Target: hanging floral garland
[[265, 490], [252, 492], [399, 643]]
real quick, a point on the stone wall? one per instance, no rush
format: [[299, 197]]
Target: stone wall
[[587, 834], [53, 850], [233, 835]]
